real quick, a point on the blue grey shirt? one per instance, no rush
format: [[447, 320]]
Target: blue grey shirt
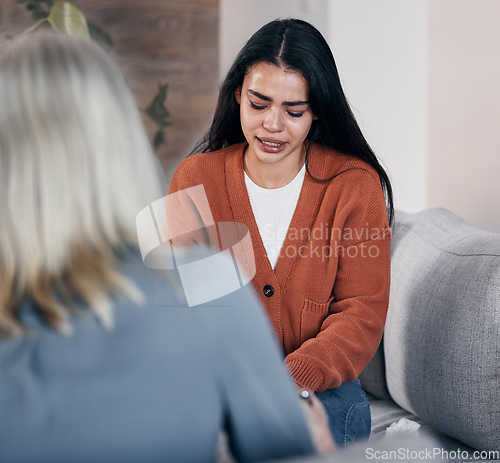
[[160, 386]]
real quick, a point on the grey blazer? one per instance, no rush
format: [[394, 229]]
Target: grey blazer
[[160, 386]]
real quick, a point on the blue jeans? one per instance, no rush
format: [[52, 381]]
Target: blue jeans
[[348, 412]]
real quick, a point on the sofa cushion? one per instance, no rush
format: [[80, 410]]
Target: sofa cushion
[[372, 378], [386, 412], [442, 336]]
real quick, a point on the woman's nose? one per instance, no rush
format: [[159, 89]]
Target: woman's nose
[[273, 122]]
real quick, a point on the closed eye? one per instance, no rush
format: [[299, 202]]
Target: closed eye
[[257, 107], [261, 107]]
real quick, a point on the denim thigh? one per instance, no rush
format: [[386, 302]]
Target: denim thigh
[[348, 412]]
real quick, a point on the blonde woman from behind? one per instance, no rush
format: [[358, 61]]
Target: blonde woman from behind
[[100, 358]]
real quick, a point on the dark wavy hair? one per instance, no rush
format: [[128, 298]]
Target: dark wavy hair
[[296, 45]]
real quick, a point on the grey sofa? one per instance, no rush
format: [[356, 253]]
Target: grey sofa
[[439, 360]]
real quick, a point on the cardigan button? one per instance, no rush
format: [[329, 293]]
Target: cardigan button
[[268, 290]]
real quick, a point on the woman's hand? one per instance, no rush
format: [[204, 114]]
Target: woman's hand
[[317, 420]]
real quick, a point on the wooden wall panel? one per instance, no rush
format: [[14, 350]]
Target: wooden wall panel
[[170, 41]]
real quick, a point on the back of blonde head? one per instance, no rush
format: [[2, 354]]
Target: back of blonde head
[[75, 168]]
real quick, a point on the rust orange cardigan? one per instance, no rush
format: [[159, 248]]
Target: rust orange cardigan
[[328, 295]]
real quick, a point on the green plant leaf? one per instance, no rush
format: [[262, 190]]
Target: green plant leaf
[[157, 110], [99, 35], [39, 8], [159, 139], [66, 18]]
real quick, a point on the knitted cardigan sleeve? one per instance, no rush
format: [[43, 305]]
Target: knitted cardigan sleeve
[[350, 333]]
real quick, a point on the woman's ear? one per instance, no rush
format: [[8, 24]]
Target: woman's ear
[[237, 94]]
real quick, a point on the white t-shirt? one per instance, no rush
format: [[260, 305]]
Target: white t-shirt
[[273, 210]]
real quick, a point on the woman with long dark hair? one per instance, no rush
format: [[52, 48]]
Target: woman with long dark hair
[[285, 156]]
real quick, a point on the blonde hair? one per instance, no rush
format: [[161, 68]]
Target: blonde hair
[[76, 167]]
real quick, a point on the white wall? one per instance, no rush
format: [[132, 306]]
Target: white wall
[[464, 149], [382, 55]]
